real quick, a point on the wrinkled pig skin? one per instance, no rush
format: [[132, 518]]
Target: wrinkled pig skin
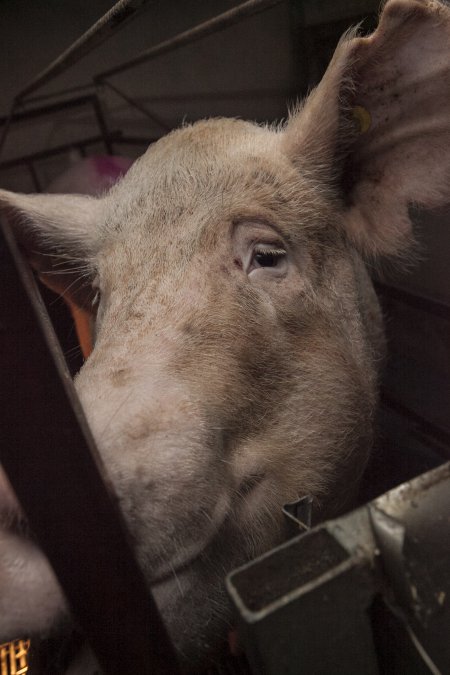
[[237, 335]]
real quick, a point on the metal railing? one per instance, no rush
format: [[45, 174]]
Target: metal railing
[[58, 477]]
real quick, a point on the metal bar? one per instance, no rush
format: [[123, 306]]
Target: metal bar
[[49, 455], [48, 109], [101, 121], [7, 123], [291, 602], [329, 11], [235, 95], [138, 106], [35, 177], [430, 428], [135, 140], [57, 150], [202, 30], [82, 150], [425, 304], [115, 18], [307, 606], [62, 92]]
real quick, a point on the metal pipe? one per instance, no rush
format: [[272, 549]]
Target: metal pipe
[[135, 140], [57, 94], [47, 109], [7, 123], [102, 29], [214, 25], [34, 177], [58, 476], [423, 303], [151, 116], [57, 150], [102, 125]]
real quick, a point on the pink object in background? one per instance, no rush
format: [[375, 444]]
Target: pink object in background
[[91, 176]]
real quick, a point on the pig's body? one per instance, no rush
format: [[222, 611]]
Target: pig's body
[[238, 337]]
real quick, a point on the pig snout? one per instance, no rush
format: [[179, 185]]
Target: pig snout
[[163, 461]]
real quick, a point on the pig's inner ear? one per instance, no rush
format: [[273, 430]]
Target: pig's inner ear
[[59, 236], [377, 129]]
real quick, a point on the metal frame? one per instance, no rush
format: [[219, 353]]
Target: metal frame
[[321, 603], [105, 136], [101, 31], [57, 474], [104, 28]]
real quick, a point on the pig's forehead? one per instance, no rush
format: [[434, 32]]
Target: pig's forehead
[[196, 178], [214, 138], [207, 160], [202, 150]]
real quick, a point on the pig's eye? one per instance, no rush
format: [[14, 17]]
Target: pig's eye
[[268, 257], [272, 258]]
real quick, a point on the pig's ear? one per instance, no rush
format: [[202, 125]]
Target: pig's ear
[[58, 234], [377, 128]]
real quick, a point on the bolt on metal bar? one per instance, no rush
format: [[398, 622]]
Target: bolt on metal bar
[[202, 30], [100, 31], [53, 464]]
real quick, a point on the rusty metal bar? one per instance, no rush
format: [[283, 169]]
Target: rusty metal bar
[[50, 457], [116, 17], [202, 30]]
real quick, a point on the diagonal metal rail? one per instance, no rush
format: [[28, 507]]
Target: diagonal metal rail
[[198, 32], [49, 455], [100, 31]]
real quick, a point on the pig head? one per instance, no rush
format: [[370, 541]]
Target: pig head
[[237, 335]]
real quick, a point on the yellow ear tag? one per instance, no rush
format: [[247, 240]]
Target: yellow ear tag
[[362, 117]]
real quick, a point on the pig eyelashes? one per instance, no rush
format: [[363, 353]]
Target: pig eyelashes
[[260, 248], [96, 299], [268, 257], [95, 302]]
